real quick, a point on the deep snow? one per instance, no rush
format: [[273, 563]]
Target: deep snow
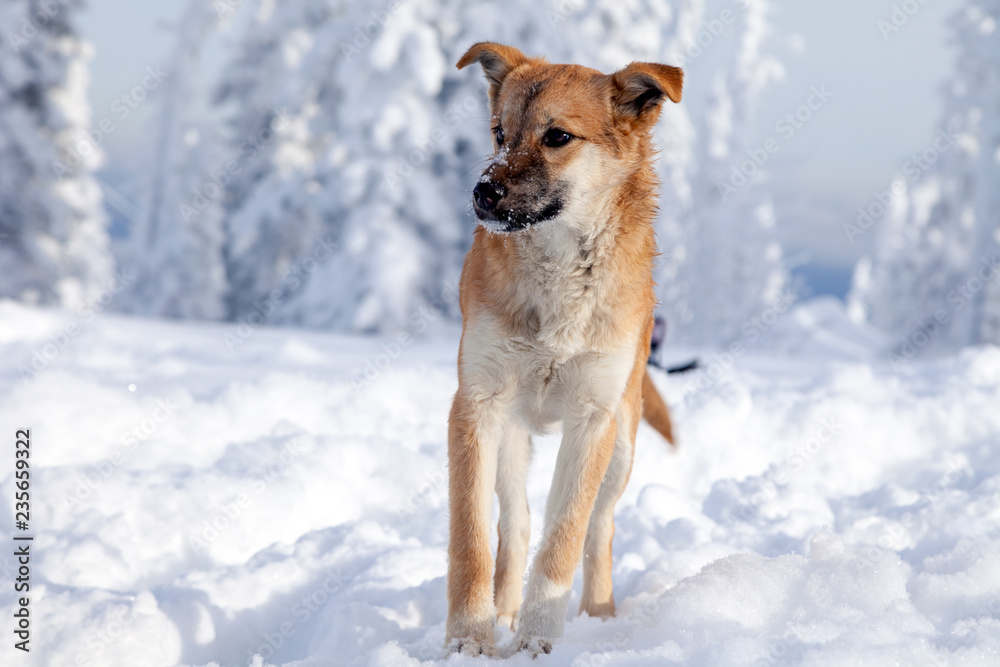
[[823, 508]]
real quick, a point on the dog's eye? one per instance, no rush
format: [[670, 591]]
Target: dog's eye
[[556, 137], [499, 133]]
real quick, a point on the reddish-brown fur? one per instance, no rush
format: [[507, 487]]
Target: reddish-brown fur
[[503, 295]]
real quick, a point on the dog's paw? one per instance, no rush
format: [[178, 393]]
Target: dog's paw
[[535, 634], [473, 647], [530, 645]]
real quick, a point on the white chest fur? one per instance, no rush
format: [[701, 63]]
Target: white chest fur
[[558, 368]]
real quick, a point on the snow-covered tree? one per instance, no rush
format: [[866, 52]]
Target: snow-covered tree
[[344, 219], [268, 88], [676, 165], [934, 276], [381, 140], [727, 265], [53, 236], [176, 246]]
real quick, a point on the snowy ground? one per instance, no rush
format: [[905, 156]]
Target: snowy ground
[[822, 509]]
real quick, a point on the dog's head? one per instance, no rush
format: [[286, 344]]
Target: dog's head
[[562, 134]]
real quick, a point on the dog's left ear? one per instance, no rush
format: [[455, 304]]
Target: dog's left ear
[[638, 91]]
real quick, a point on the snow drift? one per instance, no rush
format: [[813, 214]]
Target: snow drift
[[285, 502]]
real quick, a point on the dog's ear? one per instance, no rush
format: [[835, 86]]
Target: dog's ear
[[497, 60], [639, 89]]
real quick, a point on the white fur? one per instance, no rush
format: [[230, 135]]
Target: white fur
[[542, 618], [557, 284], [520, 385], [515, 522]]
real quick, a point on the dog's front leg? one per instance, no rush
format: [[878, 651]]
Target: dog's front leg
[[473, 435], [586, 449]]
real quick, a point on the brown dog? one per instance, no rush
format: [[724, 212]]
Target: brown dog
[[557, 305]]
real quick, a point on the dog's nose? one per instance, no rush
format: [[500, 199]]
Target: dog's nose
[[487, 195]]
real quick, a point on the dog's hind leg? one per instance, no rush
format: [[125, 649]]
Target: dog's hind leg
[[598, 598], [514, 525]]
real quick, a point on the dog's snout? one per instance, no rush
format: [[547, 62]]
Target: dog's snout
[[486, 195]]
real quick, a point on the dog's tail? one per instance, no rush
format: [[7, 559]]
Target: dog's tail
[[654, 410]]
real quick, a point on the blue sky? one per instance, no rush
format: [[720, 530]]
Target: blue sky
[[885, 103]]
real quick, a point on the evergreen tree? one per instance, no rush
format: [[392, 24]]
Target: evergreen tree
[[934, 270], [53, 236], [731, 265], [269, 89], [383, 141]]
